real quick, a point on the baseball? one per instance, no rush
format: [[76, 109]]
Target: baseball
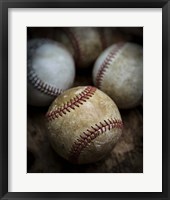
[[118, 72], [50, 71], [83, 124], [84, 43]]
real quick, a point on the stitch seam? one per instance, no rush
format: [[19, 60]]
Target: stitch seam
[[106, 63], [90, 134], [74, 102]]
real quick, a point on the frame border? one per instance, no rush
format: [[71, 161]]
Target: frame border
[[4, 5]]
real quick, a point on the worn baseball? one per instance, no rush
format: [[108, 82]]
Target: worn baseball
[[84, 124], [119, 73], [84, 43], [50, 71]]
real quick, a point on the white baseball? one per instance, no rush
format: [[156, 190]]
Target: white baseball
[[50, 70], [118, 72]]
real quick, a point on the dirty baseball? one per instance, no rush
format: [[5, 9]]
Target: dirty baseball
[[83, 124]]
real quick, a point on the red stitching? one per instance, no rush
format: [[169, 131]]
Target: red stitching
[[90, 134], [105, 65], [75, 42], [72, 104]]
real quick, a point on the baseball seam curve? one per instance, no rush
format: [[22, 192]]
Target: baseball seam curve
[[71, 104], [90, 134], [106, 63]]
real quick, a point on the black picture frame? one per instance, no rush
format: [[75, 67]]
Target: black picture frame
[[4, 5]]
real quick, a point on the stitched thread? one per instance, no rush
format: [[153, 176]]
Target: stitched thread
[[76, 44], [90, 134], [72, 104], [105, 65]]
